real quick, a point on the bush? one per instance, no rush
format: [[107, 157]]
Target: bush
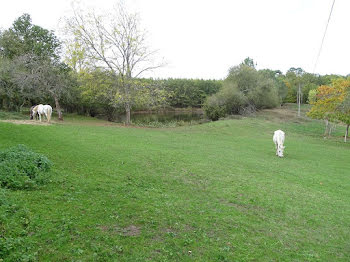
[[264, 95], [244, 91], [214, 108], [21, 168]]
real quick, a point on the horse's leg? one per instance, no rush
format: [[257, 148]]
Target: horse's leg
[[40, 117], [276, 149]]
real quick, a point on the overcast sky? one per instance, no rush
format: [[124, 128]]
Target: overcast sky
[[204, 38]]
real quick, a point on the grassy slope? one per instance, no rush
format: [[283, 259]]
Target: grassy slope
[[213, 192]]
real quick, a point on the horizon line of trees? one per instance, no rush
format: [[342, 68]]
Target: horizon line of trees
[[247, 89], [101, 73]]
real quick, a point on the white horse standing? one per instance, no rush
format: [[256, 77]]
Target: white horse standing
[[278, 139], [43, 110]]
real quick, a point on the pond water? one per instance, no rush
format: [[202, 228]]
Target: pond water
[[164, 116]]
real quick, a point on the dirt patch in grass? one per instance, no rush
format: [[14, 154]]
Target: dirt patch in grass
[[162, 233], [130, 230], [281, 111], [28, 122], [244, 207], [68, 122], [283, 114], [104, 228]]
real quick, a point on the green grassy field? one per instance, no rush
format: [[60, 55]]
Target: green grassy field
[[210, 192]]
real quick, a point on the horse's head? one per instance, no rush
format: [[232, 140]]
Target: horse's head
[[280, 150], [31, 114]]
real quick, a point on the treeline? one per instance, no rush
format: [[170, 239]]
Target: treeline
[[98, 96], [190, 92], [32, 71], [247, 89], [296, 77]]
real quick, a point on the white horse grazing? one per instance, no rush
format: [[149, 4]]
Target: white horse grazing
[[43, 110], [278, 139]]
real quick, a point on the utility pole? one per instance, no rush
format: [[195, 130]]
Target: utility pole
[[299, 99]]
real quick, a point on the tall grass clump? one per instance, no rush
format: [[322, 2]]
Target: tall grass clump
[[21, 168]]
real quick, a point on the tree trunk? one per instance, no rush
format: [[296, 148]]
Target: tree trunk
[[58, 108], [21, 106], [127, 111], [299, 100], [346, 132], [326, 131]]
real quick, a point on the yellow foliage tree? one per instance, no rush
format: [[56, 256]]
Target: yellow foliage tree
[[331, 103]]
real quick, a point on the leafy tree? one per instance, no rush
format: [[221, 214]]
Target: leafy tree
[[33, 70], [257, 86], [9, 92], [244, 77], [332, 103], [118, 44], [249, 62], [306, 91], [75, 55], [278, 78], [244, 90], [24, 37], [297, 71], [312, 96], [292, 81], [43, 77], [98, 92], [344, 109]]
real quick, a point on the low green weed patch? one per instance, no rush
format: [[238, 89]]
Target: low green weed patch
[[21, 168]]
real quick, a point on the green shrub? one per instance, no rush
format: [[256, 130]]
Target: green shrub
[[244, 91], [228, 100], [21, 168], [214, 108]]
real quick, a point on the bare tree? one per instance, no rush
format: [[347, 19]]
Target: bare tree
[[115, 42]]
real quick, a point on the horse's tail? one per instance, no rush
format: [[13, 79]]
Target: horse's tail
[[49, 113]]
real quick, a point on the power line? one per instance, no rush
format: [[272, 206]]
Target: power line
[[324, 35]]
